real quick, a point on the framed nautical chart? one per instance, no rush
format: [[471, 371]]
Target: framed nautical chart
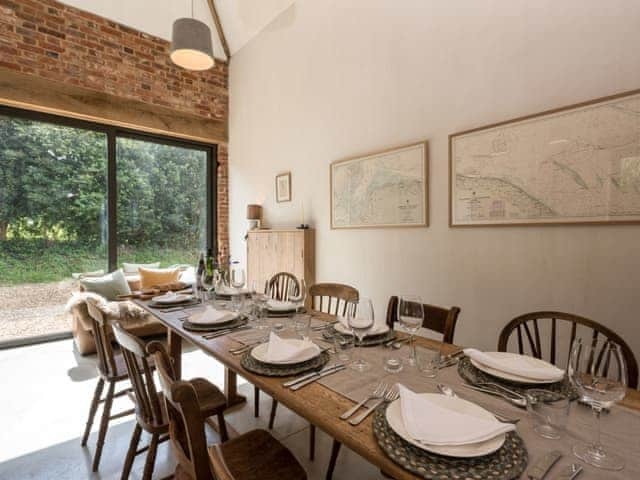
[[577, 164], [384, 189]]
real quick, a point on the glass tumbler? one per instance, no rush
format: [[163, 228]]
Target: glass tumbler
[[427, 361], [549, 412]]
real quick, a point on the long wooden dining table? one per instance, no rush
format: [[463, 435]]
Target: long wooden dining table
[[316, 403]]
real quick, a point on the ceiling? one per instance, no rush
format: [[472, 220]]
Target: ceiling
[[241, 19]]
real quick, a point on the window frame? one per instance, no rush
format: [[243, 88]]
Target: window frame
[[112, 134]]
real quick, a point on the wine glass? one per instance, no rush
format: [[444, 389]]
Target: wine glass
[[411, 315], [298, 294], [259, 300], [208, 283], [360, 318], [600, 377]]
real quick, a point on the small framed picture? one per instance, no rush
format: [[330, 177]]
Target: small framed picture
[[283, 187]]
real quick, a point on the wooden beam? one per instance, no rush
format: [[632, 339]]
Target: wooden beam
[[218, 23], [43, 95]]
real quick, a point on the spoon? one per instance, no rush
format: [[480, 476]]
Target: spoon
[[448, 391]]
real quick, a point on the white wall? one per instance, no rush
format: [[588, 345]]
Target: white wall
[[333, 78]]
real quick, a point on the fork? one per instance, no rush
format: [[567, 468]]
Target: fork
[[378, 392], [389, 396]]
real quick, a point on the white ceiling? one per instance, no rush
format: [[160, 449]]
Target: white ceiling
[[241, 19]]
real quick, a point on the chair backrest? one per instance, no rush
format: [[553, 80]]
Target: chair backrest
[[332, 298], [186, 423], [528, 327], [438, 319], [100, 330], [278, 286], [148, 405]]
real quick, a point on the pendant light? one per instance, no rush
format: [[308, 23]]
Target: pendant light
[[191, 46]]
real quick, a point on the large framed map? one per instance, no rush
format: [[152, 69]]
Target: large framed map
[[577, 164], [384, 189]]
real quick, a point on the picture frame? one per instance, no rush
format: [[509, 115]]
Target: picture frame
[[573, 165], [283, 187], [401, 201]]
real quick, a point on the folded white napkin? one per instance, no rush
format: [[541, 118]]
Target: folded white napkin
[[521, 365], [434, 424], [285, 350], [280, 306], [211, 316]]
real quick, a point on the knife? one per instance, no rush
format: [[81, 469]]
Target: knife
[[310, 375], [318, 376]]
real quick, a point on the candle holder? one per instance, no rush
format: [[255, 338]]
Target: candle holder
[[303, 226]]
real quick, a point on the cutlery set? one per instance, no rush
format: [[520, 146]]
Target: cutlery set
[[226, 331], [448, 391], [539, 470], [510, 396], [308, 378]]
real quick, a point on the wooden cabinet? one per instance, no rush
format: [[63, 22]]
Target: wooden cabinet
[[273, 251]]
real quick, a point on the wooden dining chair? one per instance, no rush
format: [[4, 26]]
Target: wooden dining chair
[[334, 299], [278, 288], [527, 328], [438, 319], [255, 455], [111, 371], [150, 410]]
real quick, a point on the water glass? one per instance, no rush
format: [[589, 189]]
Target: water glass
[[392, 363], [549, 412], [427, 361], [343, 345], [411, 316], [301, 324], [237, 301]]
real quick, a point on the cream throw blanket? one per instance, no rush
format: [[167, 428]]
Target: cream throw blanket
[[121, 311]]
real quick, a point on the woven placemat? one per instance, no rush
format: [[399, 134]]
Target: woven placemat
[[193, 327], [509, 462], [474, 375], [270, 370], [368, 341]]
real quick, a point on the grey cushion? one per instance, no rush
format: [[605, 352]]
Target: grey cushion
[[109, 286]]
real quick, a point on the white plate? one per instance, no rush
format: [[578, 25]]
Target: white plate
[[260, 353], [169, 299], [510, 376], [394, 417], [196, 320], [376, 330]]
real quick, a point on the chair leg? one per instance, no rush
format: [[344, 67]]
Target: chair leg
[[151, 457], [272, 415], [92, 411], [104, 425], [131, 454], [312, 442], [256, 402], [335, 450], [222, 425]]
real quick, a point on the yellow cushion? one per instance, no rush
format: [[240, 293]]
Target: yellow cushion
[[157, 276]]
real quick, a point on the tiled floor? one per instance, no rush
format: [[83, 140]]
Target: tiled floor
[[45, 392]]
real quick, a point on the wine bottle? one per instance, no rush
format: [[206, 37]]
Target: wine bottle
[[209, 265]]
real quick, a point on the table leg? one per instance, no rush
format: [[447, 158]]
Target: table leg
[[175, 351], [231, 388]]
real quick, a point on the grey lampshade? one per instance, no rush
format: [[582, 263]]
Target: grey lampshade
[[191, 44]]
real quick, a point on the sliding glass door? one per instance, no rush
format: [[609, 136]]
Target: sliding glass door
[[78, 197], [162, 202], [53, 218]]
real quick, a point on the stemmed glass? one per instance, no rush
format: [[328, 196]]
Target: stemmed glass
[[208, 283], [411, 315], [259, 300], [600, 377], [360, 318]]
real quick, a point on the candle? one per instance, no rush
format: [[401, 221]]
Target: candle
[[301, 213]]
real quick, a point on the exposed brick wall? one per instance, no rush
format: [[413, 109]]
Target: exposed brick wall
[[59, 42], [223, 199]]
